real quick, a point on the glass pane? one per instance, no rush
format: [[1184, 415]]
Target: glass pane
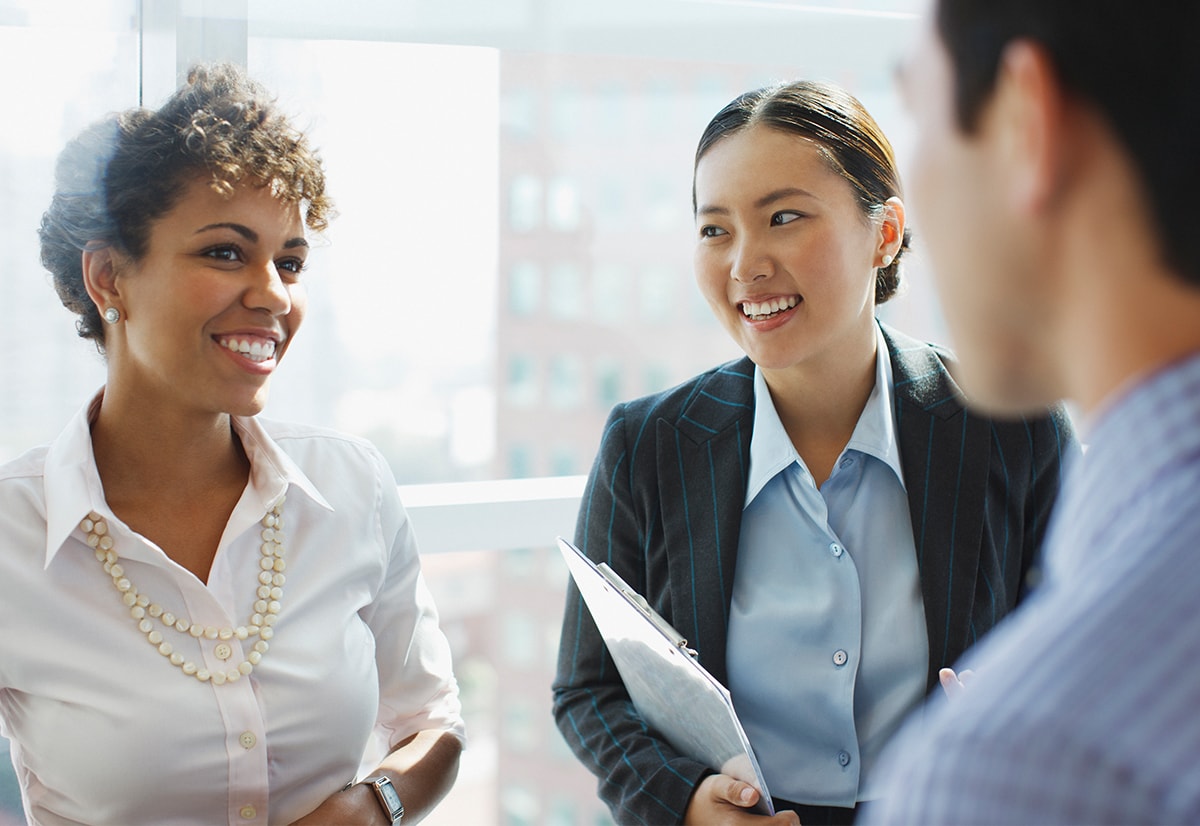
[[513, 256], [548, 150], [515, 184], [503, 626], [66, 64]]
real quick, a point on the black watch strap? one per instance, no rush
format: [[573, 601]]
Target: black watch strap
[[386, 794]]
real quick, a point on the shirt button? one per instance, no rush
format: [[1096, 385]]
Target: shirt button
[[843, 758], [847, 461], [247, 739], [248, 812], [836, 549], [223, 651], [840, 657]]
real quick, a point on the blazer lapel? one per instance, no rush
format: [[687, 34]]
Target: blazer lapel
[[944, 452], [703, 460]]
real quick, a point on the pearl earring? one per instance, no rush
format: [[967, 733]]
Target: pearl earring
[[112, 315], [887, 260]]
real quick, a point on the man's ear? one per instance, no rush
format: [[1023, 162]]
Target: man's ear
[[100, 277], [1029, 119]]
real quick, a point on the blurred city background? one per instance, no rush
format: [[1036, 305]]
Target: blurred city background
[[512, 257]]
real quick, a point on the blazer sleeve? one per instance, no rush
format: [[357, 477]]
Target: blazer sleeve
[[1053, 447], [639, 776]]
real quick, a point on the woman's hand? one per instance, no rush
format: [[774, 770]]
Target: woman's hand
[[721, 800], [954, 684], [422, 769], [355, 806]]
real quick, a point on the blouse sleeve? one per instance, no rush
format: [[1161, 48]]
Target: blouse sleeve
[[417, 688]]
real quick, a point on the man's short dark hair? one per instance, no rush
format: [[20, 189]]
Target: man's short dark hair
[[1136, 64]]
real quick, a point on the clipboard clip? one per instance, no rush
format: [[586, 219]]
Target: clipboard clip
[[639, 601]]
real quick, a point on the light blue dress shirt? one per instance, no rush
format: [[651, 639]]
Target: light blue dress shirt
[[827, 645]]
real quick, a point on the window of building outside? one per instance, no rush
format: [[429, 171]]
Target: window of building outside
[[522, 381], [611, 293], [564, 461], [566, 381], [608, 383], [566, 295], [563, 206], [510, 176], [525, 288], [525, 204]]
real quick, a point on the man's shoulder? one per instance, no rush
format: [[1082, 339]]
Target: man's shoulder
[[1077, 698]]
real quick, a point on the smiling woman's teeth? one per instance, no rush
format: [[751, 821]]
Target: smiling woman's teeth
[[756, 311], [253, 350]]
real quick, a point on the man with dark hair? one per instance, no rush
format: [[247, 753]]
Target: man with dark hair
[[1055, 163]]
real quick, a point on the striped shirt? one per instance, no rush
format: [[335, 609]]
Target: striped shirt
[[1084, 708]]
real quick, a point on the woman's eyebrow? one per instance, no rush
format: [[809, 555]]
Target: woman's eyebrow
[[250, 235], [240, 229], [764, 201], [780, 194]]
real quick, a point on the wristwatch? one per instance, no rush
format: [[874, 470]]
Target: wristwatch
[[386, 794]]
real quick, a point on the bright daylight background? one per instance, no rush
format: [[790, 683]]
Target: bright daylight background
[[512, 257]]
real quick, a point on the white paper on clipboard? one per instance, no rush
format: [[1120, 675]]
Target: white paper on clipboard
[[674, 694]]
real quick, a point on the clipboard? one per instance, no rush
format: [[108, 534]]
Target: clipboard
[[672, 692]]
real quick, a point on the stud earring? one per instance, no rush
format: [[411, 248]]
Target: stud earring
[[112, 315], [887, 260]]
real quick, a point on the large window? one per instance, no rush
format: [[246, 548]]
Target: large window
[[512, 255]]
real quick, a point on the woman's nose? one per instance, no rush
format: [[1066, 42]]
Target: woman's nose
[[269, 292], [751, 262]]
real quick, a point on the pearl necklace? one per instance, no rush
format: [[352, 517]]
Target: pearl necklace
[[144, 612]]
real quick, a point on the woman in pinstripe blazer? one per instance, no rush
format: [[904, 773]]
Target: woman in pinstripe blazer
[[887, 506]]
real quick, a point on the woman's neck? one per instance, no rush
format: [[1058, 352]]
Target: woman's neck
[[145, 454], [819, 404]]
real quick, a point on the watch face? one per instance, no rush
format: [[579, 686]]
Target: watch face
[[389, 795]]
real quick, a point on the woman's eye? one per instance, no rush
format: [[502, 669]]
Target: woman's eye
[[223, 253], [784, 218], [710, 231], [293, 265]]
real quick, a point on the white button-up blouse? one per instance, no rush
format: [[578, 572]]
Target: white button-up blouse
[[106, 730]]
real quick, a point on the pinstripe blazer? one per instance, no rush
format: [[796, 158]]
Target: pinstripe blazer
[[663, 507]]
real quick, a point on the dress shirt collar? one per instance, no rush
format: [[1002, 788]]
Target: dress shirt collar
[[73, 487], [771, 450]]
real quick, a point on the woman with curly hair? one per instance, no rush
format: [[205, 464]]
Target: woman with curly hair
[[222, 618]]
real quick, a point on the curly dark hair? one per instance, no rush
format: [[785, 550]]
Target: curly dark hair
[[852, 142], [122, 173]]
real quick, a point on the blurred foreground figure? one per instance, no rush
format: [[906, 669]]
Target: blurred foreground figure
[[1054, 176]]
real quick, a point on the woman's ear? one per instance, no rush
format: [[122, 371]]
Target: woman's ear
[[891, 230], [100, 277]]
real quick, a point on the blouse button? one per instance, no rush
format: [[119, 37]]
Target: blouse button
[[836, 549], [247, 739], [843, 758], [223, 651], [248, 813], [840, 657]]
